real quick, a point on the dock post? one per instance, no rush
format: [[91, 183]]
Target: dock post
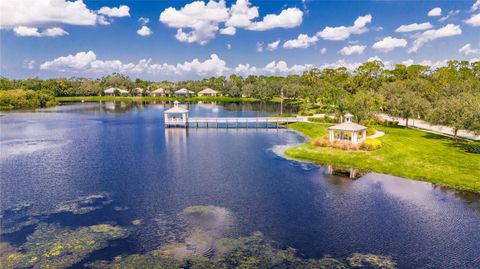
[[216, 125], [256, 123]]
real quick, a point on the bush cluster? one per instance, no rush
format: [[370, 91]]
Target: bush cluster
[[368, 145], [26, 99], [473, 148]]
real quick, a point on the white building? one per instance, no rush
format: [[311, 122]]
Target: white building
[[111, 91], [176, 116], [207, 92], [160, 92], [184, 92], [357, 133]]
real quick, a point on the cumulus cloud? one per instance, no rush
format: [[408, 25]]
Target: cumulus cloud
[[288, 18], [475, 6], [35, 13], [344, 32], [408, 62], [281, 67], [245, 70], [302, 41], [431, 35], [435, 12], [144, 31], [389, 43], [33, 31], [468, 50], [474, 20], [87, 62], [451, 13], [204, 20], [143, 20], [323, 50], [414, 27], [121, 11], [350, 50], [273, 46]]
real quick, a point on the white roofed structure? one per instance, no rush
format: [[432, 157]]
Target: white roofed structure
[[184, 92], [176, 116], [207, 92], [339, 132], [158, 92]]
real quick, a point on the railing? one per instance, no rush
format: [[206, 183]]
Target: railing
[[245, 120]]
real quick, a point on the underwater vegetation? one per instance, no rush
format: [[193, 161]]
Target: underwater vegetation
[[205, 246], [52, 246], [22, 215]]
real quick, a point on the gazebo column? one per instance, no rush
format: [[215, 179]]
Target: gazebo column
[[331, 135], [364, 135], [354, 137]]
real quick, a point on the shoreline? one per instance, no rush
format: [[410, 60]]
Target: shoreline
[[317, 161]]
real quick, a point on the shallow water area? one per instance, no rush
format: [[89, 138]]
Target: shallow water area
[[202, 194]]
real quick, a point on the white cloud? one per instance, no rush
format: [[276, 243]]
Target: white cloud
[[451, 13], [389, 43], [475, 6], [202, 20], [435, 12], [143, 20], [474, 20], [35, 13], [29, 64], [144, 31], [414, 27], [273, 46], [121, 11], [259, 46], [408, 62], [323, 50], [281, 67], [33, 31], [430, 35], [468, 50], [87, 62], [229, 46], [344, 32], [245, 70], [228, 31], [302, 41], [350, 50], [288, 18]]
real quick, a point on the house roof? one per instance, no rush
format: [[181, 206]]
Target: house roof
[[183, 90], [112, 89], [348, 126], [159, 90], [207, 90]]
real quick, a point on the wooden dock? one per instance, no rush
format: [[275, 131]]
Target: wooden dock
[[237, 122]]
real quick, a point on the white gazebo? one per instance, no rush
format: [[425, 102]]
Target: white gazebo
[[184, 92], [176, 116], [357, 132]]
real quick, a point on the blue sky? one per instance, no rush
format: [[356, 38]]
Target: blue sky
[[94, 38]]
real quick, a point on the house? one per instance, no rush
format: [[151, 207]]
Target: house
[[139, 91], [111, 91], [184, 92], [347, 131], [207, 92], [160, 92]]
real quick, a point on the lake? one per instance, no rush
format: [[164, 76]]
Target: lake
[[79, 165]]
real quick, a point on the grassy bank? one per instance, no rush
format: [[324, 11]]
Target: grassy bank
[[149, 98], [405, 152]]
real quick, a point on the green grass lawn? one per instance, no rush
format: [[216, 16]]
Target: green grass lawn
[[150, 98], [408, 153]]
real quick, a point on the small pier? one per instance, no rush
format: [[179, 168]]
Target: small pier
[[178, 117]]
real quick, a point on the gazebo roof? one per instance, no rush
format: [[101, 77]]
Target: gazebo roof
[[207, 90], [176, 109], [183, 90], [348, 126]]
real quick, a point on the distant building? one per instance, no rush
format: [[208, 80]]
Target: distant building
[[207, 92], [111, 91], [139, 91], [184, 92], [160, 92]]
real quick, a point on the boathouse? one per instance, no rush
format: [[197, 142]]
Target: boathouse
[[176, 116]]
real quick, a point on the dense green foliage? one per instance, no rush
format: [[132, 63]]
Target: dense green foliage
[[26, 99], [405, 152]]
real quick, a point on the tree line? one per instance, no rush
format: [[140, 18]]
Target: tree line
[[448, 95]]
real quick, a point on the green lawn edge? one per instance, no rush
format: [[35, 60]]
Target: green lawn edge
[[405, 152]]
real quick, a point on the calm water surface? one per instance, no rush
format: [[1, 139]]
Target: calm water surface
[[152, 173]]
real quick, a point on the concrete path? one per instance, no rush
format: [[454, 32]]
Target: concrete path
[[376, 135], [433, 128]]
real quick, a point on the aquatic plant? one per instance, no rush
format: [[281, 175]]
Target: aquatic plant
[[85, 204], [51, 246], [372, 261], [208, 218]]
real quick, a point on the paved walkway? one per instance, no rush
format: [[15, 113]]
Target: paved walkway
[[376, 135], [433, 128]]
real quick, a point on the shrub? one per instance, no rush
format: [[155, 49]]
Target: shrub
[[389, 123], [473, 148], [26, 99], [370, 144], [371, 130]]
